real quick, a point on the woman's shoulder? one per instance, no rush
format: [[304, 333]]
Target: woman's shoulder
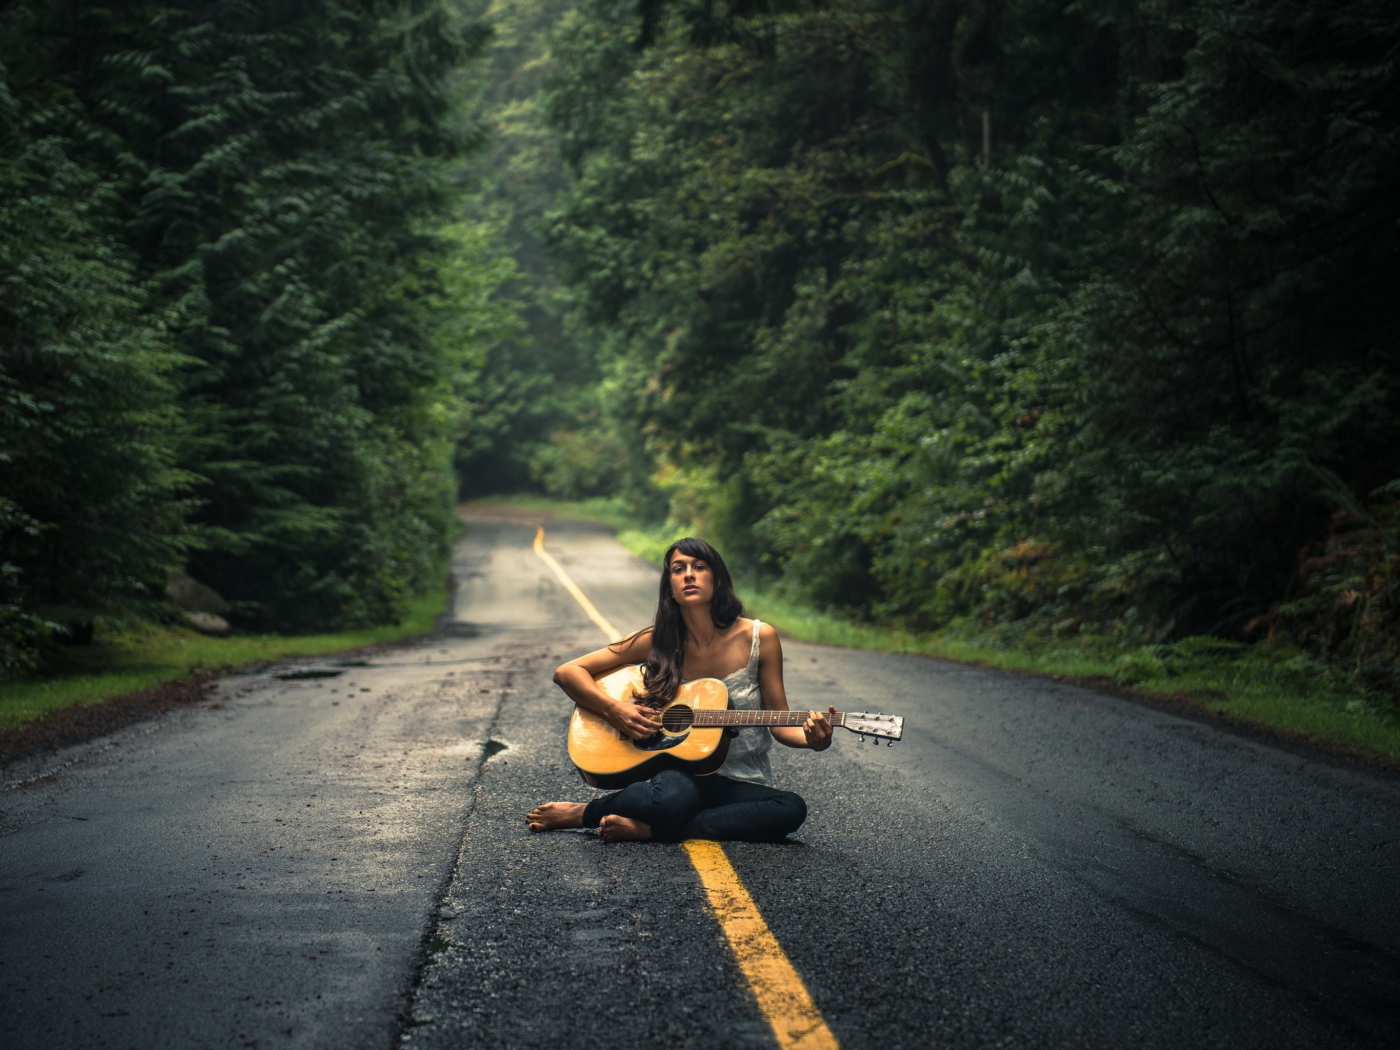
[[744, 625], [767, 635]]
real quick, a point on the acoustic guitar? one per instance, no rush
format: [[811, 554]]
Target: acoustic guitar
[[692, 735]]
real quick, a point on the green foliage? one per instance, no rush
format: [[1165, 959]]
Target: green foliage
[[535, 391], [297, 160], [1072, 318], [92, 504], [578, 464], [1245, 274], [238, 310], [1347, 604]]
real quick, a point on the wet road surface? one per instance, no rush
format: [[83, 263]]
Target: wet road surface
[[1034, 865]]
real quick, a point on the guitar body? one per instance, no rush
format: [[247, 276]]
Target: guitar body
[[607, 759]]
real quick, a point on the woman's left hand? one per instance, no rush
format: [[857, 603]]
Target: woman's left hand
[[817, 730]]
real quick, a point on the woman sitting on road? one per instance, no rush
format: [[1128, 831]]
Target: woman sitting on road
[[700, 632]]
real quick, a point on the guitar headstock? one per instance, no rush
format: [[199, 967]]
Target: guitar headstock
[[870, 723]]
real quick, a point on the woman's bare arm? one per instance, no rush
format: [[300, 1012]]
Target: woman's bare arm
[[815, 733], [576, 679]]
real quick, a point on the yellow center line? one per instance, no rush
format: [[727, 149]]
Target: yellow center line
[[573, 588], [778, 988], [796, 1022]]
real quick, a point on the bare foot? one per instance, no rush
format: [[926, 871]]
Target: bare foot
[[554, 815], [620, 829]]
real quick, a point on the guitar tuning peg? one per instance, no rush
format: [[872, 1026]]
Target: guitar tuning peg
[[889, 743], [862, 738]]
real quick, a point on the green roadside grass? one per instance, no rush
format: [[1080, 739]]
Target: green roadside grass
[[121, 662], [1277, 689]]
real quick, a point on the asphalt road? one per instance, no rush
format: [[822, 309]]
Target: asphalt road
[[1034, 865]]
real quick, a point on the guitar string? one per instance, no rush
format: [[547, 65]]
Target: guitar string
[[796, 718], [741, 723], [678, 726]]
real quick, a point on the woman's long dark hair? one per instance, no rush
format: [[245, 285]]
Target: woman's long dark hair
[[662, 670]]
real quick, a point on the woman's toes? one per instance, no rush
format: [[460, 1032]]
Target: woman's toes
[[621, 829], [554, 815]]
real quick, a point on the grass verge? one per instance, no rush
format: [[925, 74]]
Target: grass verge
[[122, 662], [1282, 691]]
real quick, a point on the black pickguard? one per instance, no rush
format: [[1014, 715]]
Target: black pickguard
[[659, 741]]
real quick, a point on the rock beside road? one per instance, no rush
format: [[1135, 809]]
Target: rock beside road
[[187, 593], [201, 606], [206, 623]]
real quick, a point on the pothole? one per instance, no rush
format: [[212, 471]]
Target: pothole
[[298, 676], [492, 748]]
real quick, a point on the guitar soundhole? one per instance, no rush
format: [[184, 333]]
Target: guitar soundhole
[[677, 718], [675, 727]]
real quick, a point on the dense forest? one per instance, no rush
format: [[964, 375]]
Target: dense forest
[[1057, 319], [239, 300], [1033, 316]]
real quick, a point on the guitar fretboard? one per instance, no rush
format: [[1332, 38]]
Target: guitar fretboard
[[708, 719]]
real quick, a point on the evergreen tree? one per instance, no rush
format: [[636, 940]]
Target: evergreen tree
[[91, 505], [233, 280], [292, 172], [1070, 315]]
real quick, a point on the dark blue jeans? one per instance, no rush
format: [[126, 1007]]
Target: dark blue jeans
[[680, 806]]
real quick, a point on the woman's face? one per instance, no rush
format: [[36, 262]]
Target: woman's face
[[692, 582]]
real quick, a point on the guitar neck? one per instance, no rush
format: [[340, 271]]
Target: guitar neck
[[709, 719]]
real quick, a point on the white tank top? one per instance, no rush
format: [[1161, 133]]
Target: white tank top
[[748, 752]]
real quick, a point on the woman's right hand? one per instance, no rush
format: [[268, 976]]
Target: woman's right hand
[[636, 721]]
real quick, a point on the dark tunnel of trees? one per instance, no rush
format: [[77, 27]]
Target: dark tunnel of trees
[[1079, 317]]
